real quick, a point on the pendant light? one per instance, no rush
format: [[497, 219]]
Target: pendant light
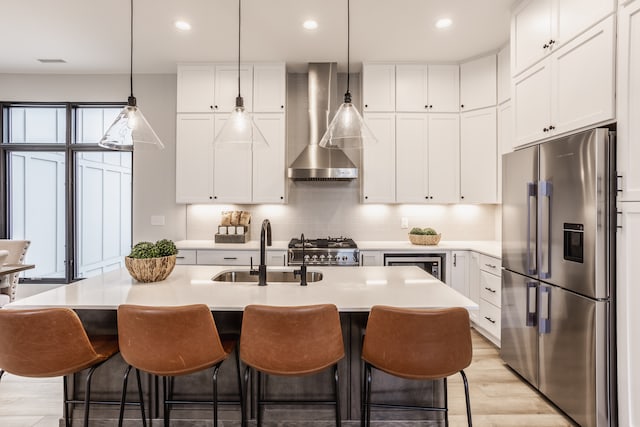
[[347, 130], [240, 131], [130, 129]]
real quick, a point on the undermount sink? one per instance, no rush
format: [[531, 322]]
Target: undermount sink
[[272, 276]]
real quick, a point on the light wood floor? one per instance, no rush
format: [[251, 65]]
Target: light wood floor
[[499, 398]]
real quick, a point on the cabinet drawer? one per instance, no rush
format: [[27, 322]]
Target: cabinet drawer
[[490, 318], [186, 256], [227, 257], [490, 288], [490, 264]]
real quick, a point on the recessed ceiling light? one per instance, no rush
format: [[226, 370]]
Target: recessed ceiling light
[[443, 23], [183, 25], [310, 24]]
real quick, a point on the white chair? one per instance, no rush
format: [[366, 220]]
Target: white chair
[[17, 250]]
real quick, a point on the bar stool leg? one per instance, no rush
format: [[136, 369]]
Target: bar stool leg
[[123, 396], [246, 392], [141, 397], [165, 396], [446, 403], [87, 394], [215, 395], [1, 373], [369, 382], [466, 396], [243, 421], [259, 403], [337, 395], [65, 391]]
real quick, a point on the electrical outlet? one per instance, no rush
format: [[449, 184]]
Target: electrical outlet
[[404, 222], [157, 219]]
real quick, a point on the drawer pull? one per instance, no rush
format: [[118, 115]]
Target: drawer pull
[[490, 290], [490, 265], [179, 257], [230, 257], [490, 320]]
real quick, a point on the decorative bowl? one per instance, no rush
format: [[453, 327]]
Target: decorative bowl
[[149, 270], [425, 239]]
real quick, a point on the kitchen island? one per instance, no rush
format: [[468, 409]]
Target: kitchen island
[[354, 290]]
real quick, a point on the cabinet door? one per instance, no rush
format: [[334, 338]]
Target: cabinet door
[[379, 160], [628, 141], [276, 258], [379, 87], [444, 88], [532, 104], [412, 161], [194, 158], [269, 88], [504, 75], [474, 283], [268, 163], [478, 154], [459, 276], [444, 158], [196, 88], [531, 30], [227, 87], [231, 171], [411, 88], [370, 258], [222, 257], [583, 85], [505, 138], [575, 16], [478, 83]]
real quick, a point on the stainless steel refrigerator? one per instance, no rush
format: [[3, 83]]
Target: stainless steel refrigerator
[[558, 278]]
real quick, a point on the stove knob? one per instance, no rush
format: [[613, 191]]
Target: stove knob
[[314, 258], [322, 257], [344, 257], [329, 256], [306, 257]]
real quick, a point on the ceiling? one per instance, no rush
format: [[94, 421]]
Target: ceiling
[[92, 36]]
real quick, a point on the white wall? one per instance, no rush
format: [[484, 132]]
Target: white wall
[[153, 172]]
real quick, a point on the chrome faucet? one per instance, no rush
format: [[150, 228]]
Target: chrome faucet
[[303, 268], [265, 240]]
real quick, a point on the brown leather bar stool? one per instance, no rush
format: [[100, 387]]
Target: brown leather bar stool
[[291, 341], [173, 341], [416, 345], [52, 342]]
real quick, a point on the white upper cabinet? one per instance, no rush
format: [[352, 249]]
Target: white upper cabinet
[[412, 158], [378, 160], [196, 86], [539, 27], [268, 163], [226, 87], [231, 170], [379, 87], [628, 141], [505, 138], [427, 88], [444, 158], [504, 74], [572, 88], [194, 158], [269, 88], [478, 156], [478, 83]]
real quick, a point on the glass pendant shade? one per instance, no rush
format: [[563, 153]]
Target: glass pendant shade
[[347, 130], [240, 132], [130, 130]]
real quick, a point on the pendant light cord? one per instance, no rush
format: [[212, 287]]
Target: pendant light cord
[[239, 26], [347, 95], [131, 51]]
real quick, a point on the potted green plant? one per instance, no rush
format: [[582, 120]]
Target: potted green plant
[[424, 236], [151, 262]]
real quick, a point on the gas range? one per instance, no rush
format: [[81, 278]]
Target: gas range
[[325, 251]]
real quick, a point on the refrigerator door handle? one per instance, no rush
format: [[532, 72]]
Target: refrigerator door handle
[[532, 304], [531, 261], [545, 190], [544, 325]]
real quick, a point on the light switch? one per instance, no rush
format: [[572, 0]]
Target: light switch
[[404, 222], [157, 219]]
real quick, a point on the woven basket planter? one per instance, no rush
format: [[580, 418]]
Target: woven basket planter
[[149, 270], [425, 239]]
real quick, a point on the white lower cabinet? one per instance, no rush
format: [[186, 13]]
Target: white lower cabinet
[[370, 258], [474, 284], [486, 288], [186, 256], [241, 257], [458, 277]]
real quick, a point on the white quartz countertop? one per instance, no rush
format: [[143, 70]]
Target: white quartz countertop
[[351, 289], [487, 247]]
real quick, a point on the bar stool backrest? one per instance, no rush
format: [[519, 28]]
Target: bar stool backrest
[[17, 252], [45, 342], [417, 343], [291, 341], [169, 341]]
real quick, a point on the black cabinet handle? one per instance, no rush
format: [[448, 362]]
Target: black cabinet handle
[[490, 290], [551, 42], [210, 197], [430, 106], [211, 107], [462, 197], [215, 197], [462, 106], [545, 130], [490, 320], [230, 257], [366, 105], [426, 106], [281, 197], [366, 197], [552, 127], [215, 106], [282, 106], [545, 46]]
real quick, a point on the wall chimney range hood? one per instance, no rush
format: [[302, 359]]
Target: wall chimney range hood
[[316, 163]]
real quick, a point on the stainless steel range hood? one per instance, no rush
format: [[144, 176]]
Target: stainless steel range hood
[[316, 163]]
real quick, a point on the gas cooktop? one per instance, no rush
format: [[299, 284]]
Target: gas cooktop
[[324, 251]]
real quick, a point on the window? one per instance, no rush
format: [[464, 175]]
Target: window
[[64, 193]]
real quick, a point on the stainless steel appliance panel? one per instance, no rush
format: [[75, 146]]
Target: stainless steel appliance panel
[[573, 354], [572, 212], [519, 210], [431, 263], [519, 341]]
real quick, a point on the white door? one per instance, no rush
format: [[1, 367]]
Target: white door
[[196, 88], [379, 160], [474, 283], [378, 87], [478, 154], [194, 158], [531, 31], [232, 170], [532, 104], [268, 163], [478, 83], [227, 87], [412, 162], [444, 88], [444, 158], [411, 88], [269, 88]]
